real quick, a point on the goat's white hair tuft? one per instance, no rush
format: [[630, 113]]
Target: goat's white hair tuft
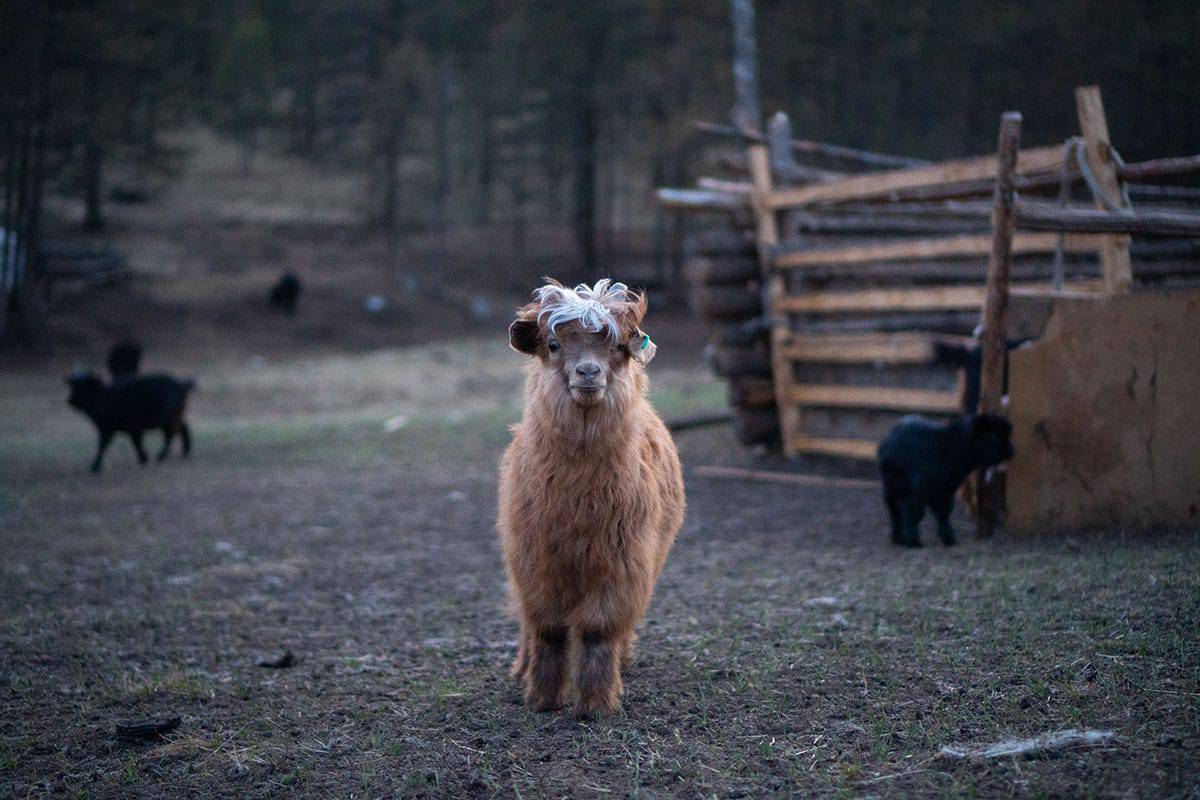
[[591, 306]]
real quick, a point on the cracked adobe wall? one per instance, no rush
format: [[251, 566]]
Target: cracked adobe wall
[[1106, 415]]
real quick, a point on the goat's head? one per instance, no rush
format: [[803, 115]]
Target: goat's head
[[586, 339], [87, 390]]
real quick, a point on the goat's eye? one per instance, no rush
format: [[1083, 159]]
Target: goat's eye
[[552, 345], [622, 349]]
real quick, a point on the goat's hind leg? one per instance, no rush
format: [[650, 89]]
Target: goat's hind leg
[[546, 668], [942, 506], [168, 435], [136, 438]]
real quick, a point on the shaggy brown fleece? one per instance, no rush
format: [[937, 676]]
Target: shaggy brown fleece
[[591, 497]]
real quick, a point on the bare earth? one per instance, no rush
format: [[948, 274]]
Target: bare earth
[[340, 504], [789, 649]]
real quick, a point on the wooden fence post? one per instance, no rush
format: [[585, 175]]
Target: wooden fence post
[[1114, 252], [995, 312], [767, 230]]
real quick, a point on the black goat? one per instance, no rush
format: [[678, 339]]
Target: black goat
[[286, 293], [133, 405], [923, 462]]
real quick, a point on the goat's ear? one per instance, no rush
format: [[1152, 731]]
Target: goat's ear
[[523, 336], [641, 347]]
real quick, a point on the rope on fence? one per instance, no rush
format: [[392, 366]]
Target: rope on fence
[[1075, 149], [1064, 192]]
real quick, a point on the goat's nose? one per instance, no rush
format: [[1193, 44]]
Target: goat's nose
[[587, 369]]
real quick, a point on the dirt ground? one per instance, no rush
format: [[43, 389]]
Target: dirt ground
[[340, 504]]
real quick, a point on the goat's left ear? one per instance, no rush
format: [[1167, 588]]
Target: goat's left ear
[[641, 347], [523, 336]]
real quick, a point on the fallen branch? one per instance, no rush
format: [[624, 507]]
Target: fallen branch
[[137, 731], [737, 473], [1044, 744]]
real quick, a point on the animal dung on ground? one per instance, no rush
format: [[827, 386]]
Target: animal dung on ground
[[150, 729], [1046, 744], [283, 662]]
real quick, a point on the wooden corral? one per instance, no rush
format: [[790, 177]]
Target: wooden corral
[[1105, 414], [864, 283]]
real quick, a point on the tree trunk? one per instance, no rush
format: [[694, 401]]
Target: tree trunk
[[487, 162], [306, 124], [391, 187], [585, 184], [93, 178], [442, 145]]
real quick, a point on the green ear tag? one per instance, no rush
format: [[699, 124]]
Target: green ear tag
[[645, 341]]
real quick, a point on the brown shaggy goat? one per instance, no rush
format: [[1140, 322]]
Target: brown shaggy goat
[[591, 494]]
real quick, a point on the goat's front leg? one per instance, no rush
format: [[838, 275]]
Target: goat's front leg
[[627, 649], [521, 662], [105, 438], [598, 672], [544, 674]]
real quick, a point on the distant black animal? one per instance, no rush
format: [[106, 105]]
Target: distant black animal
[[286, 293], [123, 360], [923, 462], [132, 406]]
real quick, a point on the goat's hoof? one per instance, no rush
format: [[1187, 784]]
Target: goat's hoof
[[542, 702], [594, 709]]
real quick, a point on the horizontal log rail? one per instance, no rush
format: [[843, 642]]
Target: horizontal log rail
[[883, 184], [932, 298], [1045, 217], [886, 398], [810, 147], [701, 200], [869, 348], [1158, 167], [921, 249], [861, 449], [926, 298]]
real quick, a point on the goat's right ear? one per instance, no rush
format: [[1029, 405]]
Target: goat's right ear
[[523, 336]]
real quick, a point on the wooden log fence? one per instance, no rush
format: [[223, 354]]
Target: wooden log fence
[[800, 307]]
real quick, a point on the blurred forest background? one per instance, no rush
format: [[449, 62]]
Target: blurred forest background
[[509, 115]]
